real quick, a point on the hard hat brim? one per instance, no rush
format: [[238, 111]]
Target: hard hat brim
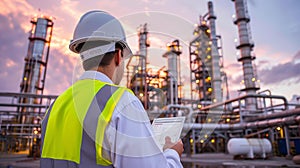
[[126, 49]]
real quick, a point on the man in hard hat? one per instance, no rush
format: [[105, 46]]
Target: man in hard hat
[[95, 122]]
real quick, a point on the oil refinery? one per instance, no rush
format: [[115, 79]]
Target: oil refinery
[[254, 125]]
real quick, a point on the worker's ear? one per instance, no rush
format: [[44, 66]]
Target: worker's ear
[[118, 57]]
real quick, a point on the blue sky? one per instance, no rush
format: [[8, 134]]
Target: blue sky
[[275, 29]]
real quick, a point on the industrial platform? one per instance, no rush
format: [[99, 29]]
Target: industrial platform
[[254, 123], [213, 160]]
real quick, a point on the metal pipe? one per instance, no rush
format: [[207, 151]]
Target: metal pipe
[[216, 72], [256, 133], [270, 93], [172, 57], [276, 115], [287, 140], [143, 44], [26, 95], [246, 46], [244, 97], [227, 90], [259, 124], [190, 111], [194, 144], [267, 90]]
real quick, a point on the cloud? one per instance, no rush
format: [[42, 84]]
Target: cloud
[[234, 66], [281, 72], [263, 62], [17, 11], [296, 58], [155, 2], [235, 80], [234, 73], [15, 6], [70, 7], [12, 53], [59, 73], [15, 26]]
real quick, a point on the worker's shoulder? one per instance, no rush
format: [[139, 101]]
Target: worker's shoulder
[[126, 90], [128, 95]]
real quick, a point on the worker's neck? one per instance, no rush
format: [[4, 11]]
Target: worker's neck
[[107, 70]]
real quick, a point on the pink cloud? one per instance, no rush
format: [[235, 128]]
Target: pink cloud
[[10, 63], [15, 6]]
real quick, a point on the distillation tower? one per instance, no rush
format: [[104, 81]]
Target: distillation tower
[[155, 88], [35, 68], [215, 60], [212, 122], [206, 62], [245, 47], [137, 74], [173, 75]]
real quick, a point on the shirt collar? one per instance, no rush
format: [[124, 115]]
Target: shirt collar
[[95, 75]]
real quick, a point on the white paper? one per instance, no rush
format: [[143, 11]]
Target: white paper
[[171, 126]]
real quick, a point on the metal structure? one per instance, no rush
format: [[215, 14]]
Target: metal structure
[[201, 88], [16, 136], [273, 120], [21, 117], [211, 120], [36, 60], [136, 74], [206, 62], [245, 47], [173, 77], [252, 115], [215, 60]]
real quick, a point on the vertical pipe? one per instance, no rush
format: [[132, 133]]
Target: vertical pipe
[[227, 88], [36, 61], [287, 140], [240, 111], [194, 139], [246, 46], [171, 98], [216, 72], [179, 81], [272, 138], [191, 75], [173, 77], [143, 44], [188, 144], [171, 55]]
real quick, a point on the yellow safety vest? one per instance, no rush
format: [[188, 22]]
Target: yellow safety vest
[[77, 118]]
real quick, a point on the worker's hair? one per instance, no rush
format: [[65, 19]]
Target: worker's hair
[[101, 60]]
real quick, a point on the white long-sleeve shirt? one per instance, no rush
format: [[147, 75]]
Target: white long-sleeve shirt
[[129, 137]]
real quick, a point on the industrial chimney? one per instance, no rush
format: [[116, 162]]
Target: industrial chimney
[[172, 55], [245, 47], [36, 60]]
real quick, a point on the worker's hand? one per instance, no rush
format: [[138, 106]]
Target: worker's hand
[[178, 146]]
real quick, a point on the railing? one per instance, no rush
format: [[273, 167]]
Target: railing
[[236, 107], [17, 134]]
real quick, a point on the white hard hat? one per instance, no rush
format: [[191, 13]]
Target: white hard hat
[[103, 28]]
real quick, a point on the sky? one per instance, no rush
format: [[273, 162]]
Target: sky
[[275, 30]]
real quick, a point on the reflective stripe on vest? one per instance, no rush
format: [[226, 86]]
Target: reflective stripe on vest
[[79, 117]]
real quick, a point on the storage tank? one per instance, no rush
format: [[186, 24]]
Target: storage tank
[[249, 147]]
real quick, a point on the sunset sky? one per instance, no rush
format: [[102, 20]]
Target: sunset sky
[[275, 29]]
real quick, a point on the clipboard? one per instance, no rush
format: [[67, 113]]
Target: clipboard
[[170, 126]]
